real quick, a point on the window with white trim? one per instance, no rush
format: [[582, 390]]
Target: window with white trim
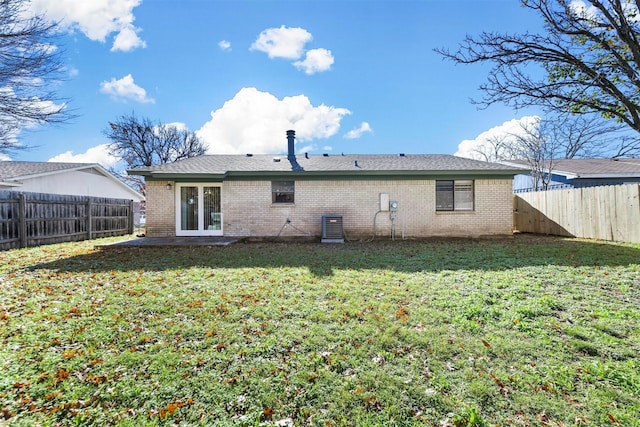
[[454, 195]]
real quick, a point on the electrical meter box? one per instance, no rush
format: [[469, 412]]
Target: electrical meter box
[[384, 202], [393, 206]]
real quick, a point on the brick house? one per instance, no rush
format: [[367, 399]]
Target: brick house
[[401, 195]]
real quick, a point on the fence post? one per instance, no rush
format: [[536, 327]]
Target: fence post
[[89, 220], [130, 216], [22, 217]]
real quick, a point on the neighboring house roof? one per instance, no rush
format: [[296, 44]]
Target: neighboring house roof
[[14, 174], [590, 168], [14, 171], [323, 166]]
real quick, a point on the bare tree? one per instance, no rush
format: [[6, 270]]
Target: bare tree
[[133, 140], [541, 143], [29, 64], [587, 135], [538, 148], [176, 144], [496, 148], [142, 142], [589, 58]]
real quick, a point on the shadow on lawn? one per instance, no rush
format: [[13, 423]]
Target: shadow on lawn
[[322, 259]]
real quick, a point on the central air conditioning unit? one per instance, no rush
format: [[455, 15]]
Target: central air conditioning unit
[[332, 229]]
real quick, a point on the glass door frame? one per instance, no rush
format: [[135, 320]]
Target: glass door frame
[[200, 231]]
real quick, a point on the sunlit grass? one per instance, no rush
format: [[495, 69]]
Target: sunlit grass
[[524, 331]]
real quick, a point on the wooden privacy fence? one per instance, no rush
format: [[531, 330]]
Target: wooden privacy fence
[[606, 213], [33, 219]]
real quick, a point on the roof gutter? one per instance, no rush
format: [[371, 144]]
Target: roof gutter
[[608, 175], [316, 175]]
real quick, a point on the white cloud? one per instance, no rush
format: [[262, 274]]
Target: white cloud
[[96, 19], [224, 45], [592, 13], [358, 132], [46, 48], [127, 39], [256, 122], [98, 154], [178, 125], [580, 8], [282, 42], [125, 88], [289, 43], [483, 147], [316, 60]]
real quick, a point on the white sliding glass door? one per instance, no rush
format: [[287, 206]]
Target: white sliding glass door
[[198, 210]]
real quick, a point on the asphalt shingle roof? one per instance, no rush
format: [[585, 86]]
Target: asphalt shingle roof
[[368, 163], [16, 170], [593, 167]]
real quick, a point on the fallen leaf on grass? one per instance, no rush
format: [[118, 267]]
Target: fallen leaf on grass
[[198, 303], [62, 375], [268, 414], [71, 353], [168, 410], [500, 383], [6, 414], [172, 407], [97, 380], [73, 312], [403, 314], [95, 361]]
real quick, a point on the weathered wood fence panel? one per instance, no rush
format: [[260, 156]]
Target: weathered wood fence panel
[[33, 219], [606, 213]]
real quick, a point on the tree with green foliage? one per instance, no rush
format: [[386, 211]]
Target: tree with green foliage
[[589, 56]]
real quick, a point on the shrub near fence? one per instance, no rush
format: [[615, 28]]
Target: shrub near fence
[[606, 213], [33, 219]]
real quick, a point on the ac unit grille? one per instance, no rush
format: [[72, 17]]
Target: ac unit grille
[[332, 231]]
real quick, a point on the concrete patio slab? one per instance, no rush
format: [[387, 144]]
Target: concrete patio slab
[[173, 242]]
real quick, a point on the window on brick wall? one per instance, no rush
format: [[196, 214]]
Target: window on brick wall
[[283, 192], [454, 195]]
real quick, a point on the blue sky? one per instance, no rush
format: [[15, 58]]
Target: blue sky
[[350, 76]]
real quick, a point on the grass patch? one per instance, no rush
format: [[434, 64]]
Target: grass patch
[[524, 331]]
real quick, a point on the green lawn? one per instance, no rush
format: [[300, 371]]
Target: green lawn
[[511, 332]]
